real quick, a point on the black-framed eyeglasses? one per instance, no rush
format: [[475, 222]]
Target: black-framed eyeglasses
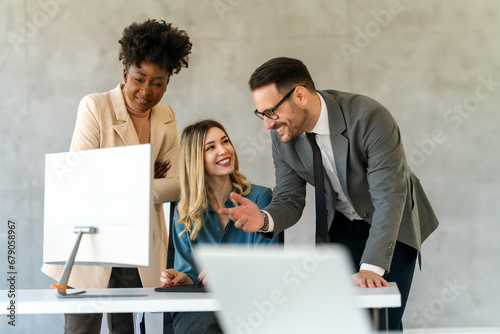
[[271, 113]]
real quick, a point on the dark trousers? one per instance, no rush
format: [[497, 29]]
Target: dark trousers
[[354, 234], [195, 323], [118, 323]]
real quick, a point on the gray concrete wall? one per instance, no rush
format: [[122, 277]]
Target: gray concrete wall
[[433, 63]]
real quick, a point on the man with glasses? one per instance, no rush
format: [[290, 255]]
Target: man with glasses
[[367, 198]]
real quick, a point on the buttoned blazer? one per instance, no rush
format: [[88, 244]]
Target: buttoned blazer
[[103, 121], [373, 173]]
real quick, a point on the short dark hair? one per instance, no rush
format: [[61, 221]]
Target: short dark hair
[[157, 42], [285, 73]]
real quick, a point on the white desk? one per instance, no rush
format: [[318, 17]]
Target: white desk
[[45, 301]]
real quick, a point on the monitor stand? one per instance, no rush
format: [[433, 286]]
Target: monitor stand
[[62, 286]]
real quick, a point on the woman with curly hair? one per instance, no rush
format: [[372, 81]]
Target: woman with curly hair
[[132, 114], [209, 172]]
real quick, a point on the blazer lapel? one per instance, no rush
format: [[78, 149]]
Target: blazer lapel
[[338, 138], [123, 126], [158, 128]]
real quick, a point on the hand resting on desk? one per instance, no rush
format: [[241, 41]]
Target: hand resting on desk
[[172, 277], [369, 279]]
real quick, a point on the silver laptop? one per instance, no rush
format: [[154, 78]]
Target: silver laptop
[[277, 290]]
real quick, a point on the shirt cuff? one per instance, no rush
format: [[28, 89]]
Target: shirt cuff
[[376, 269], [270, 228]]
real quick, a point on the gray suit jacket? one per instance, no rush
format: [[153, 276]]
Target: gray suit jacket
[[373, 173]]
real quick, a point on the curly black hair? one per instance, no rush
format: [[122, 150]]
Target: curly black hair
[[157, 42]]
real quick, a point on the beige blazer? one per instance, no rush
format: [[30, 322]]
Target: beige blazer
[[103, 121]]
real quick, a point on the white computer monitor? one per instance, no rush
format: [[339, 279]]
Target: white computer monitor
[[109, 190]]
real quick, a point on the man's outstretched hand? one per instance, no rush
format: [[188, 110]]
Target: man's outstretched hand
[[246, 216]]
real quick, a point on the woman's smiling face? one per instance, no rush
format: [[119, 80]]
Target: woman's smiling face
[[219, 153], [144, 85]]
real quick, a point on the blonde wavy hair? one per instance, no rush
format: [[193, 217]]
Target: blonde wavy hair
[[194, 202]]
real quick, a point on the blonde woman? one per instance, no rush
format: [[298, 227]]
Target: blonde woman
[[209, 172]]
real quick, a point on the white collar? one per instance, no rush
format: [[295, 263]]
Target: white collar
[[321, 127]]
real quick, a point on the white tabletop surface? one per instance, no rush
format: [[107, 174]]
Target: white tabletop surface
[[45, 301]]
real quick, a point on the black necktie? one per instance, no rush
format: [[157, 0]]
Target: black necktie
[[319, 189]]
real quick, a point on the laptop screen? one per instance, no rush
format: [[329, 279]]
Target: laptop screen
[[277, 290]]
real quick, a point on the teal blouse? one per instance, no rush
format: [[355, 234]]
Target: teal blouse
[[211, 232]]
